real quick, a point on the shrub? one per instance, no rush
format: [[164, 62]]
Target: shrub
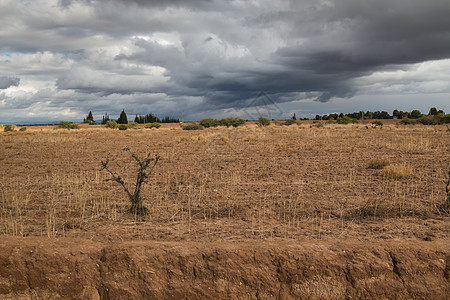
[[68, 125], [23, 129], [123, 127], [133, 125], [397, 171], [346, 120], [231, 121], [377, 123], [263, 121], [8, 128], [1, 126], [153, 125], [406, 121], [289, 122], [111, 124], [378, 164], [193, 127], [316, 124], [209, 122]]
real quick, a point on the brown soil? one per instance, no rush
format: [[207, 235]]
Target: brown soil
[[277, 212], [39, 268]]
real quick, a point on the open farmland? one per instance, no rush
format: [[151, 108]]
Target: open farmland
[[288, 185]]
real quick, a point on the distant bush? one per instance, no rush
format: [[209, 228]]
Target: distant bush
[[1, 126], [209, 122], [346, 120], [133, 125], [428, 120], [263, 121], [67, 125], [23, 129], [123, 126], [406, 121], [231, 121], [316, 124], [111, 124], [193, 127], [377, 123], [8, 128], [153, 125], [289, 122]]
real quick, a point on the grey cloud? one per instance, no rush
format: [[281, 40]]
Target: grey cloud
[[6, 82], [220, 53]]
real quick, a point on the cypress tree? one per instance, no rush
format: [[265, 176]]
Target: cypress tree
[[122, 118]]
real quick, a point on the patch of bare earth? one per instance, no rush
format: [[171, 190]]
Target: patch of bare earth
[[277, 212]]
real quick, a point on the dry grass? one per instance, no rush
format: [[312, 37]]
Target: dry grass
[[228, 184], [398, 171]]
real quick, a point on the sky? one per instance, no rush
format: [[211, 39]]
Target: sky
[[60, 59]]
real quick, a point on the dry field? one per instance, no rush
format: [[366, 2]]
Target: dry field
[[237, 184], [299, 212]]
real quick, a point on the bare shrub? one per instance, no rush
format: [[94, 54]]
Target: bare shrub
[[143, 172]]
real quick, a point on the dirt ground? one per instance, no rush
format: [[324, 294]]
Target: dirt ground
[[333, 211]]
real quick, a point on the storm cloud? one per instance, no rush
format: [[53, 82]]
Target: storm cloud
[[214, 56]]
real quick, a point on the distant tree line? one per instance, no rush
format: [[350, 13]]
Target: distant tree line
[[397, 114], [151, 118], [123, 119]]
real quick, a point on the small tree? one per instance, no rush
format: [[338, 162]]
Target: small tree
[[146, 167], [105, 118], [433, 111], [122, 118], [89, 119], [263, 121]]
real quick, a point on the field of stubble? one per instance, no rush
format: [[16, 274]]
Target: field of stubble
[[229, 184]]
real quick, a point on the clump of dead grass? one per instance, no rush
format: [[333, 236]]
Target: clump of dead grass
[[397, 171], [378, 164]]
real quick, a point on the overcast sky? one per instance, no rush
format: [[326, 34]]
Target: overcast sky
[[211, 58]]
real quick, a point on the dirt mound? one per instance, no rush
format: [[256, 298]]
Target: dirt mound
[[81, 269]]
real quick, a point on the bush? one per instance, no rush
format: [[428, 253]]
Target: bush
[[133, 125], [123, 127], [153, 125], [209, 122], [406, 121], [377, 123], [8, 128], [111, 124], [317, 124], [193, 127], [231, 121], [1, 126], [346, 120], [289, 122], [23, 129], [263, 121], [67, 125]]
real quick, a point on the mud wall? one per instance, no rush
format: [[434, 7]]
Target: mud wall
[[35, 268]]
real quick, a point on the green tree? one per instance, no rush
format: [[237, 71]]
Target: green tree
[[415, 114], [433, 111], [263, 121], [122, 118], [89, 118]]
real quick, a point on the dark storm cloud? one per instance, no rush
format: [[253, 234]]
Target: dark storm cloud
[[6, 82], [216, 54]]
